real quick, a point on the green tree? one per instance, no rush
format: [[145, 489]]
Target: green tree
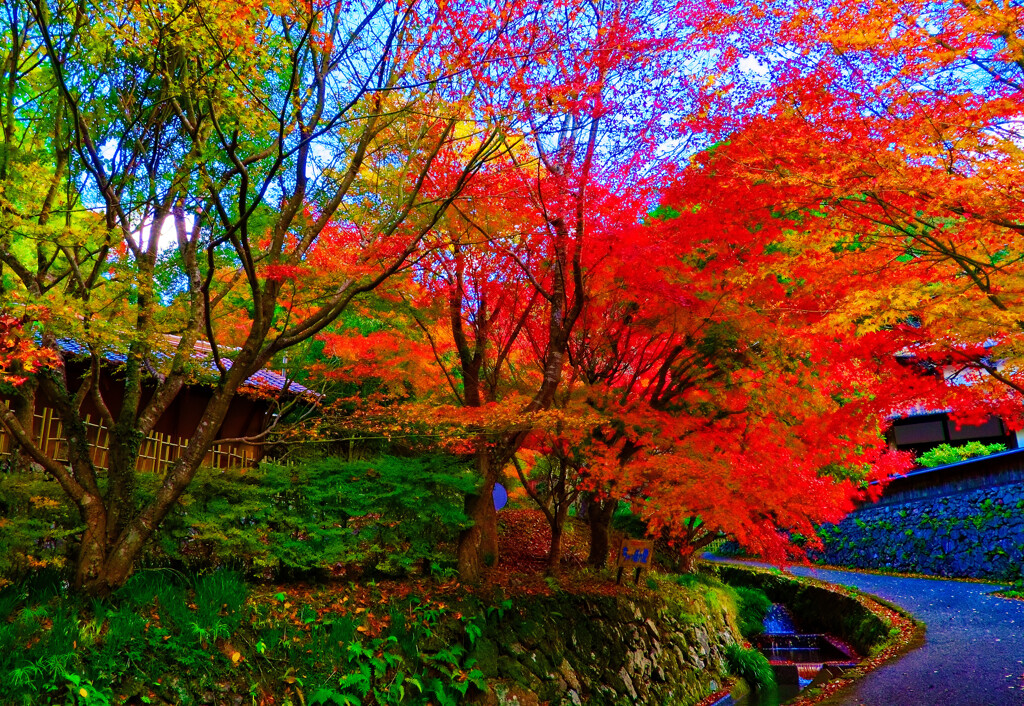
[[291, 157]]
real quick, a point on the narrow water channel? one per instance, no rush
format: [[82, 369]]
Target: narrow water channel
[[779, 621], [797, 659]]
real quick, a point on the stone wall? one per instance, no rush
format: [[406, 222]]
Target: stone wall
[[977, 533], [572, 649]]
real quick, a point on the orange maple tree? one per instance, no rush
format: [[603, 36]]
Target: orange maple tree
[[889, 132], [508, 265], [726, 412]]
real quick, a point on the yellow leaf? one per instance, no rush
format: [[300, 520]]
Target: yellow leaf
[[235, 656], [83, 693]]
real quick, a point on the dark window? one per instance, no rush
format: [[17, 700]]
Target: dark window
[[993, 427], [920, 433]]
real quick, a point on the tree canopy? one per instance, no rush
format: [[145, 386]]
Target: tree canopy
[[687, 256]]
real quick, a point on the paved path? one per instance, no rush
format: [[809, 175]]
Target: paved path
[[973, 654]]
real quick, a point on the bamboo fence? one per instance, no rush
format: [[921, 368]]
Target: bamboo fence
[[156, 455]]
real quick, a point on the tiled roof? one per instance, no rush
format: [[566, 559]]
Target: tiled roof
[[268, 379], [72, 346], [917, 410], [262, 379]]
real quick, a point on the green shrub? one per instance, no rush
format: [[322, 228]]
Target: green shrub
[[386, 515], [416, 660], [752, 606], [55, 644], [1016, 590], [944, 454], [751, 665], [693, 580]]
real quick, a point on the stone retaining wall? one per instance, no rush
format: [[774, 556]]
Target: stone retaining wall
[[975, 534], [605, 650]]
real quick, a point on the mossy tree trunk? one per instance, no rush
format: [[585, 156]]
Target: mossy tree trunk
[[599, 517]]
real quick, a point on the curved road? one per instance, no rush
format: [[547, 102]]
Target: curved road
[[973, 653]]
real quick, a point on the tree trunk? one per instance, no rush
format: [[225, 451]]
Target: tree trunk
[[686, 562], [119, 564], [599, 517], [478, 544], [93, 550], [105, 564], [697, 541], [555, 550], [489, 527], [122, 462]]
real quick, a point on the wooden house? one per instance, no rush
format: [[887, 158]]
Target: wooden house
[[253, 410]]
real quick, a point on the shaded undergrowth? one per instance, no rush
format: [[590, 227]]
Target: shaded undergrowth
[[165, 639]]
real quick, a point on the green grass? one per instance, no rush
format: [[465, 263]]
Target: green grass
[[752, 606], [751, 665]]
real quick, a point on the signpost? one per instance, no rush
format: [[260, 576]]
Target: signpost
[[636, 554]]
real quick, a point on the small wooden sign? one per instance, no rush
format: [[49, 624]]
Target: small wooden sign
[[634, 554]]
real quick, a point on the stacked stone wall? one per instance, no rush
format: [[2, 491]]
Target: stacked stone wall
[[606, 650], [973, 534]]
